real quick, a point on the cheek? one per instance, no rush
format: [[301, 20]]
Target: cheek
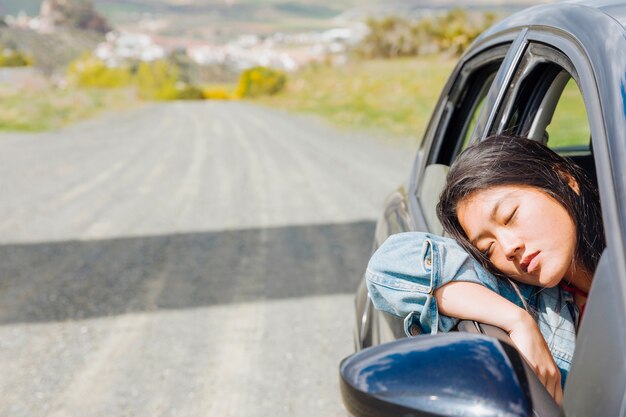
[[558, 231], [552, 218], [502, 264]]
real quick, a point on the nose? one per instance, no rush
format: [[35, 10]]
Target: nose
[[512, 245]]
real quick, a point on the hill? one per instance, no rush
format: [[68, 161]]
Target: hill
[[219, 20], [51, 51]]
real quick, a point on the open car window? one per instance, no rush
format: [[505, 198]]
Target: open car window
[[464, 103]]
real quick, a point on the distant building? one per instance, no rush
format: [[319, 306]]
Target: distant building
[[282, 51], [239, 58], [121, 46]]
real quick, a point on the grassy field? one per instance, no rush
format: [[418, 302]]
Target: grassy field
[[393, 96], [398, 96], [50, 108]]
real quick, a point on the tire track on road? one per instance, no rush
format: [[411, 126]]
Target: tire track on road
[[62, 206], [324, 187], [187, 194], [92, 385], [143, 187]]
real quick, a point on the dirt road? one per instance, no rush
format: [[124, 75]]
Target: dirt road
[[186, 259]]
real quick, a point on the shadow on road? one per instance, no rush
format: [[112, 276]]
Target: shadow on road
[[84, 279]]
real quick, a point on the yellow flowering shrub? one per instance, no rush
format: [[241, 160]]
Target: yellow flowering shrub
[[258, 81], [188, 92], [157, 80], [212, 93], [89, 71], [160, 80], [12, 58]]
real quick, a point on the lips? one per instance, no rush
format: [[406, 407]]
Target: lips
[[530, 262]]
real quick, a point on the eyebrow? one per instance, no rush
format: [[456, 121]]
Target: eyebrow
[[492, 216]]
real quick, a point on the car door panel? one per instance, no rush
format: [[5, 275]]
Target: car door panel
[[596, 385]]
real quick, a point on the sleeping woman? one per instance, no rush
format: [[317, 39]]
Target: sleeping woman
[[523, 213]]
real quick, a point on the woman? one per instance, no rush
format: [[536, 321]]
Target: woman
[[526, 213]]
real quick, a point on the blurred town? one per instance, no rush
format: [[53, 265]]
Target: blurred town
[[287, 51]]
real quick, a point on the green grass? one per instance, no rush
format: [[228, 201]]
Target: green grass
[[398, 96], [394, 96], [51, 108]]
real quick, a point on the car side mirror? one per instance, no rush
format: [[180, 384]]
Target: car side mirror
[[449, 374]]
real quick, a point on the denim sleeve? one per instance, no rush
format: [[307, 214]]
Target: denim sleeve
[[557, 317], [401, 280], [407, 268]]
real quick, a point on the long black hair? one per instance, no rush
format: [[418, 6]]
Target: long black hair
[[507, 160]]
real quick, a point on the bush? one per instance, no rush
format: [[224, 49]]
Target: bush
[[157, 80], [188, 92], [89, 71], [452, 32], [210, 93], [391, 37], [456, 30], [12, 58], [160, 80], [260, 81]]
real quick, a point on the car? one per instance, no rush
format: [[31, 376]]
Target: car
[[555, 73]]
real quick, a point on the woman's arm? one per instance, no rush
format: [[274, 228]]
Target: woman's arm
[[470, 301]]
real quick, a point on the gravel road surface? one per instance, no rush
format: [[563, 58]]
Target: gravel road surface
[[184, 259]]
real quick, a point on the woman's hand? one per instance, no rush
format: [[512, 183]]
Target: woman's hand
[[531, 344]]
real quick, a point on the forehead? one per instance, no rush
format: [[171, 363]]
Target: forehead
[[492, 195]]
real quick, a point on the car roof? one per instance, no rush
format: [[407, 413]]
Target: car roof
[[552, 14], [614, 8]]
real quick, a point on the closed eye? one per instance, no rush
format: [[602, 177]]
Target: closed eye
[[487, 252], [511, 216]]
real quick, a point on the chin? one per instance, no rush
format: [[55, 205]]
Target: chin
[[550, 280], [551, 284]]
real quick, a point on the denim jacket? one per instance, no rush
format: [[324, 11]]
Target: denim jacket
[[407, 268]]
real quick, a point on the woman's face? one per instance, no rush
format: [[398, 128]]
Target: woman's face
[[524, 232]]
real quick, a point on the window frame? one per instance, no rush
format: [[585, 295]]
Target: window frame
[[538, 71]]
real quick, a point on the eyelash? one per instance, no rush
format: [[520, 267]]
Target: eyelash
[[487, 251], [511, 216]]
